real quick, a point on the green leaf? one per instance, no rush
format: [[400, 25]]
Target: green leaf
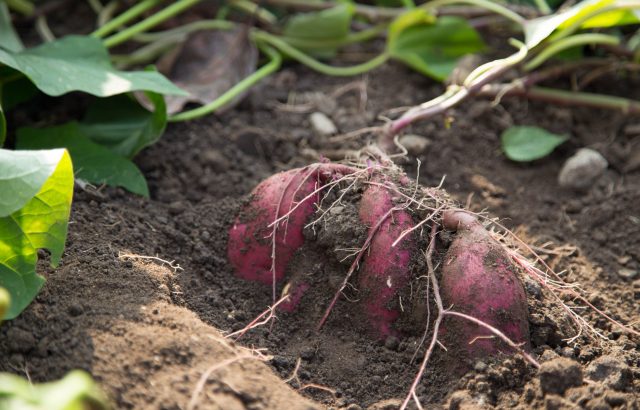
[[539, 29], [9, 40], [81, 63], [22, 288], [3, 127], [415, 17], [76, 391], [41, 223], [320, 27], [93, 162], [5, 300], [525, 144], [22, 174], [15, 88], [124, 126], [432, 49]]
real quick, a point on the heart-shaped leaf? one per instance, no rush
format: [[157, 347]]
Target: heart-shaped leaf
[[93, 162], [81, 63], [525, 144], [122, 125], [45, 179], [9, 40], [432, 49]]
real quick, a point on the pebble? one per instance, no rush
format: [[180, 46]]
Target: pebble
[[415, 144], [610, 370], [582, 169], [627, 274], [559, 374], [322, 124], [75, 310], [392, 343]]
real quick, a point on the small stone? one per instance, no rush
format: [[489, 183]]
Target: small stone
[[322, 124], [627, 274], [598, 404], [615, 399], [388, 404], [553, 402], [75, 310], [631, 129], [415, 144], [480, 366], [391, 343], [176, 208], [611, 371], [623, 260], [582, 169], [216, 160], [568, 352], [307, 353], [20, 341], [559, 374]]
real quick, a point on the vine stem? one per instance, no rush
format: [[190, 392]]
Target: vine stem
[[569, 42], [124, 18], [152, 21], [562, 97], [316, 65], [275, 60]]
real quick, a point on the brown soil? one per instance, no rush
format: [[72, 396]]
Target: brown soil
[[148, 330]]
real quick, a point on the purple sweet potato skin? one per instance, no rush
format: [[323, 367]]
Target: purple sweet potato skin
[[250, 246], [479, 279], [385, 269]]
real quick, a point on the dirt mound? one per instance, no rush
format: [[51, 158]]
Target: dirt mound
[[147, 330]]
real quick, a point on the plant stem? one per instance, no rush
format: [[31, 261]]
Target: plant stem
[[125, 17], [569, 42], [543, 6], [371, 13], [24, 7], [316, 65], [454, 95], [150, 22], [485, 4], [576, 25], [275, 60], [563, 97], [181, 31], [351, 38], [251, 8]]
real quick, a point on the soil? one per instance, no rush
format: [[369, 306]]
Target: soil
[[144, 292]]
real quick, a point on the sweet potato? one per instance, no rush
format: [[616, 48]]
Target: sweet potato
[[479, 279], [251, 242], [385, 269]]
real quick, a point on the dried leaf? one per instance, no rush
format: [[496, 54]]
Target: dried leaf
[[210, 63]]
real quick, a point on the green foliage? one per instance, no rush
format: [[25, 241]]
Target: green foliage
[[93, 162], [5, 300], [34, 216], [523, 144], [76, 391], [81, 63], [431, 47], [320, 33], [8, 38], [3, 126], [122, 125], [585, 14]]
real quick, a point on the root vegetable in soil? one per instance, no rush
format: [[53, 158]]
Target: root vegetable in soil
[[477, 287]]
